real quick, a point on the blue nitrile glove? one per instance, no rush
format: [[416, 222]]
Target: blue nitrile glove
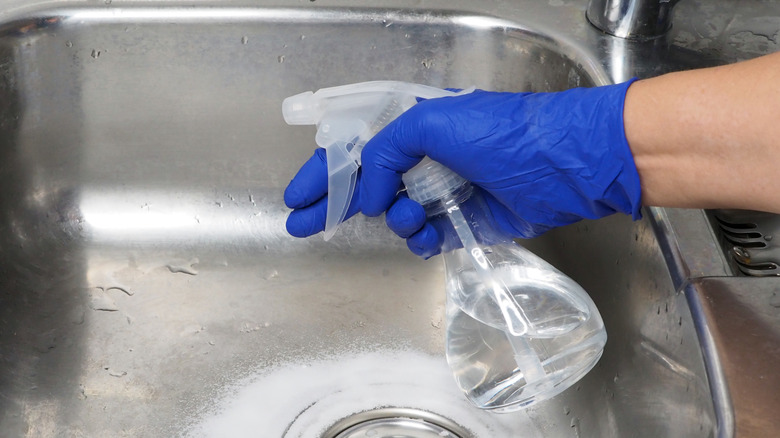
[[543, 160]]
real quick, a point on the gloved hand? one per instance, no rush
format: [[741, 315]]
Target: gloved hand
[[543, 159]]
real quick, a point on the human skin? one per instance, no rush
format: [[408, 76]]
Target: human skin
[[708, 138]]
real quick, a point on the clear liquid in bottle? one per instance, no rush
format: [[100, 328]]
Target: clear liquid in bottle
[[504, 372]]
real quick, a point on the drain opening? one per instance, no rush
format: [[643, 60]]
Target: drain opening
[[396, 422]]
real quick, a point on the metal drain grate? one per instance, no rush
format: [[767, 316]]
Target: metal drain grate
[[748, 236], [396, 423]]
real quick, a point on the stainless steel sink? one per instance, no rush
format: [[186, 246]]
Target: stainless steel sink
[[147, 285]]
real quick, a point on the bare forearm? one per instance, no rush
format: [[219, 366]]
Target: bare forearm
[[708, 138]]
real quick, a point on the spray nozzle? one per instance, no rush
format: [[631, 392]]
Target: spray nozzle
[[301, 109], [347, 117]]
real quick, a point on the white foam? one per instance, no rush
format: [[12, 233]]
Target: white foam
[[300, 400]]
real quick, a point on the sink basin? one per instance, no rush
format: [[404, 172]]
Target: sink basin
[[148, 287]]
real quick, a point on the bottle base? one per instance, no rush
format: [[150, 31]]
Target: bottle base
[[514, 399], [504, 373]]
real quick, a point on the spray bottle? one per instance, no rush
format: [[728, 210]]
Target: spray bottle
[[518, 330]]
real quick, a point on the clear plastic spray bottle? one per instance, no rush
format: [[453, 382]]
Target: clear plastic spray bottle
[[518, 330]]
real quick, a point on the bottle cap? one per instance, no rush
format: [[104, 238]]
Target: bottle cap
[[430, 181]]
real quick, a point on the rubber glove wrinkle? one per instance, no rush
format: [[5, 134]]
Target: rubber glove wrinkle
[[547, 159]]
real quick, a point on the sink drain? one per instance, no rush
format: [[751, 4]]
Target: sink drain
[[396, 423]]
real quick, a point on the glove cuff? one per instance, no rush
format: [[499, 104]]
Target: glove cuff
[[628, 179]]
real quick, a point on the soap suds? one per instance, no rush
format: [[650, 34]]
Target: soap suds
[[301, 400]]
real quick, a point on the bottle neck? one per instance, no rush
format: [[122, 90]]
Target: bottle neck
[[471, 207], [449, 200]]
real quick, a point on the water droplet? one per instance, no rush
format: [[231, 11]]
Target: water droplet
[[775, 300], [77, 315], [68, 43], [249, 328], [116, 373], [183, 267], [95, 54], [427, 63], [741, 253], [101, 301], [303, 37], [192, 329], [280, 58], [575, 424], [120, 288], [271, 275], [244, 39], [108, 2]]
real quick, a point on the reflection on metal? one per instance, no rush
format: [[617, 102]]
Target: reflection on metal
[[396, 422], [632, 19], [748, 236]]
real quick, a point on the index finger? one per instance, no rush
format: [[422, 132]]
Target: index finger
[[394, 150]]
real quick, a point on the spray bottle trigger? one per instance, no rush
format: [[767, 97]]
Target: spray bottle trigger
[[342, 178], [340, 136]]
